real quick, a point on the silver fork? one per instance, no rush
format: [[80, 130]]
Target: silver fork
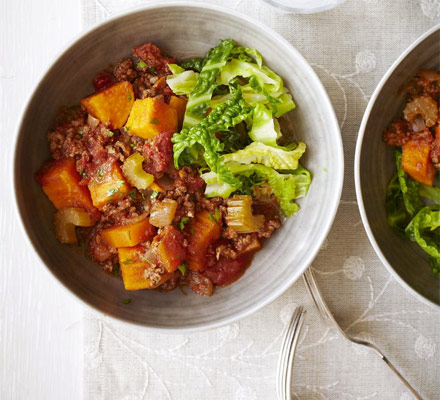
[[326, 314], [287, 353]]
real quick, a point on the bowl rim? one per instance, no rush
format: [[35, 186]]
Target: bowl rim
[[339, 163], [357, 161], [298, 10]]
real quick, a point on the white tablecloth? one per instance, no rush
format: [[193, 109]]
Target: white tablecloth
[[350, 48]]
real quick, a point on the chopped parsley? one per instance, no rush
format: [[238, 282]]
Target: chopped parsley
[[141, 64], [182, 268], [126, 301], [116, 270], [132, 194], [155, 121], [217, 214], [128, 95], [214, 219], [127, 128], [80, 132], [120, 183], [111, 192], [152, 69], [191, 231], [127, 262], [182, 223], [100, 173], [143, 196], [110, 133], [84, 174], [154, 195]]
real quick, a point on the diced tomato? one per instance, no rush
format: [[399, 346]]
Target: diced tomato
[[159, 152], [227, 270], [103, 80]]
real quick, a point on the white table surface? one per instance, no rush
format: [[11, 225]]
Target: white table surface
[[40, 323]]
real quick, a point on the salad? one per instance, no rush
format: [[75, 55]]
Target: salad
[[413, 194], [173, 174]]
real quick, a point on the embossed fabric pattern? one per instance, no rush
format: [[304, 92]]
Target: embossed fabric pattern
[[350, 48]]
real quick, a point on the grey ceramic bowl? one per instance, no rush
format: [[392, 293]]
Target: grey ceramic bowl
[[374, 167], [184, 31]]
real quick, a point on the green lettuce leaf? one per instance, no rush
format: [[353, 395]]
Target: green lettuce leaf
[[245, 69], [200, 143], [409, 188], [194, 64], [430, 192], [285, 187], [181, 82], [247, 54], [259, 153], [264, 129], [200, 97], [424, 230], [395, 206]]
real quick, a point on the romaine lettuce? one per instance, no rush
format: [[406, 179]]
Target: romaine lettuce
[[181, 82]]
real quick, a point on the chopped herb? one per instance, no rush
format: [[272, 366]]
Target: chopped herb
[[132, 194], [128, 262], [116, 270], [152, 69], [84, 174], [128, 95], [155, 121], [80, 132], [120, 183], [126, 301], [110, 133], [111, 192], [143, 196], [182, 223], [129, 234], [131, 144], [100, 173], [191, 231], [212, 218], [127, 128], [182, 268], [154, 195], [217, 214], [141, 64]]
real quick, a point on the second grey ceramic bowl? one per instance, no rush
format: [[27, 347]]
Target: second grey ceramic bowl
[[374, 167], [185, 31]]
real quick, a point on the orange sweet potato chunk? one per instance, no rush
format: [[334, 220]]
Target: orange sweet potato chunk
[[416, 161], [205, 230], [129, 235], [151, 116], [60, 182], [111, 105], [179, 105], [170, 248], [107, 184], [138, 274]]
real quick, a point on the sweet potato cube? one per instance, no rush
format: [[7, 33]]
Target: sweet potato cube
[[205, 229], [107, 184], [60, 182], [130, 234], [170, 248], [151, 116], [136, 273], [112, 105], [179, 105], [416, 161]]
